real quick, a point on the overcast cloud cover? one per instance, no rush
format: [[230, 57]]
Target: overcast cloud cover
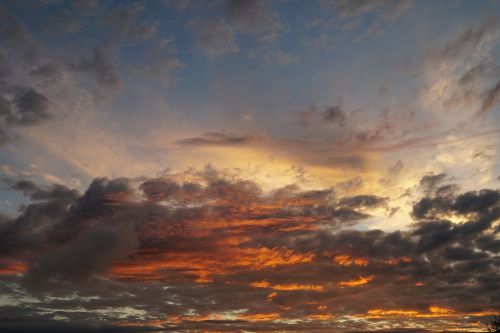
[[249, 166]]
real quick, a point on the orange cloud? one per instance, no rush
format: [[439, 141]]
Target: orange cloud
[[395, 261], [346, 260], [12, 268], [433, 312], [203, 265], [358, 282], [259, 316]]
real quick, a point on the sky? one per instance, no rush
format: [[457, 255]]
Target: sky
[[249, 165]]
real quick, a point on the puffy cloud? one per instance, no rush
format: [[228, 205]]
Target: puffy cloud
[[200, 250]]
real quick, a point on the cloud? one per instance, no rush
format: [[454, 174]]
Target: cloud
[[491, 99], [387, 10], [210, 239], [360, 201], [255, 17], [216, 139], [26, 107], [61, 23], [120, 20], [214, 36], [334, 114], [462, 74], [99, 65], [471, 38], [92, 251]]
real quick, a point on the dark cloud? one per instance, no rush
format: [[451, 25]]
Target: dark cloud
[[429, 182], [25, 107], [32, 107], [93, 251], [99, 65], [211, 242], [217, 139], [481, 203], [360, 201], [334, 114]]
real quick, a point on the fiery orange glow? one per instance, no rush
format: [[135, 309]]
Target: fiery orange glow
[[320, 316], [433, 312], [293, 286], [13, 268], [272, 295], [203, 265], [440, 310], [346, 260], [260, 284], [259, 316], [358, 282], [395, 261], [287, 287]]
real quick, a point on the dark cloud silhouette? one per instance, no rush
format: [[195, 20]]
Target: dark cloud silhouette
[[32, 107], [429, 182], [25, 107], [214, 138], [360, 201], [334, 114]]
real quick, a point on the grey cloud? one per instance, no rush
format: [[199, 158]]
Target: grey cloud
[[470, 39], [334, 114], [182, 5], [61, 23], [181, 214], [360, 201], [255, 17], [32, 107], [144, 32], [389, 10], [92, 252], [214, 36], [25, 107], [429, 182], [482, 203], [217, 139], [99, 65], [491, 98], [120, 20]]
